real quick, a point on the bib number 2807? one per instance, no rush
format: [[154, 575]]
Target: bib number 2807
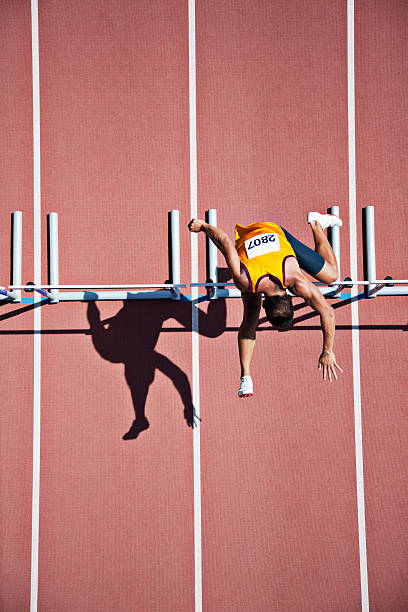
[[261, 245]]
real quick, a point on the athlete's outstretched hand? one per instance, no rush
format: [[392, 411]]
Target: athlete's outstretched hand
[[327, 361], [195, 225]]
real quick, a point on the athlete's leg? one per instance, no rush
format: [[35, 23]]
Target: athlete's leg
[[329, 273], [320, 263], [247, 331]]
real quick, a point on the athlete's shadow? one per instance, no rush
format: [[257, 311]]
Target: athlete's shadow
[[130, 338]]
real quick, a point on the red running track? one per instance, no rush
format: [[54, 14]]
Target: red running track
[[278, 477]]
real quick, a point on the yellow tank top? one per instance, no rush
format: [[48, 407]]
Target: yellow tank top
[[263, 249]]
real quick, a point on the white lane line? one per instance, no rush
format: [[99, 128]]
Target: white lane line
[[354, 308], [35, 518], [194, 307]]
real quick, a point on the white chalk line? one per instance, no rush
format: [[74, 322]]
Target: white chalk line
[[354, 308], [35, 517], [194, 310]]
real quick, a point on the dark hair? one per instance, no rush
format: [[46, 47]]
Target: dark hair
[[279, 310]]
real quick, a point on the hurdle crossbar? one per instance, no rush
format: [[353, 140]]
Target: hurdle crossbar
[[57, 287], [88, 293], [56, 292]]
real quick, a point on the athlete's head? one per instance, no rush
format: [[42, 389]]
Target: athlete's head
[[279, 310]]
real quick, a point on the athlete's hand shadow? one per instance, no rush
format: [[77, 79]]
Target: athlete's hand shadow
[[130, 338]]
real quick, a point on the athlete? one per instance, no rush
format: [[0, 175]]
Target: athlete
[[267, 259]]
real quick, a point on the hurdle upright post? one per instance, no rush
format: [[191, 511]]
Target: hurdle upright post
[[53, 265], [211, 255], [16, 252], [334, 237], [369, 249], [174, 236]]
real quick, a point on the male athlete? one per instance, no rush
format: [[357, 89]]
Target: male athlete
[[266, 259]]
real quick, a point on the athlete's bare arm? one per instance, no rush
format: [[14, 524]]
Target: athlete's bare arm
[[302, 287], [225, 245]]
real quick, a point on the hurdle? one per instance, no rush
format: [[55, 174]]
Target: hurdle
[[55, 292], [217, 290], [376, 287], [16, 257], [372, 286]]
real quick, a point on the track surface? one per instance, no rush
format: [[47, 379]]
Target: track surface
[[279, 507]]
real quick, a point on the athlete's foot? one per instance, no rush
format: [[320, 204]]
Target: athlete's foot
[[137, 426], [246, 388], [324, 220]]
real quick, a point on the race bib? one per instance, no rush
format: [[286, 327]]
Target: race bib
[[262, 244]]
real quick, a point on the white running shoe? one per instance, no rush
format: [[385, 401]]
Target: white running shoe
[[324, 220], [246, 388]]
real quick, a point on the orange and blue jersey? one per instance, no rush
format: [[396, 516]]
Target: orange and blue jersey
[[263, 249]]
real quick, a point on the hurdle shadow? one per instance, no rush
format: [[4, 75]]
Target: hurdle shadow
[[130, 337]]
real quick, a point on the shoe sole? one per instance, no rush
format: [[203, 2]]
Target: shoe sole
[[327, 215]]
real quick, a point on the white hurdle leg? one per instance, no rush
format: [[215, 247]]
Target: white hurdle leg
[[211, 253], [369, 248], [16, 255], [175, 252], [53, 267], [334, 237]]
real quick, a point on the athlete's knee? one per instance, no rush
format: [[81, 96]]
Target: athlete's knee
[[332, 273], [248, 328]]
